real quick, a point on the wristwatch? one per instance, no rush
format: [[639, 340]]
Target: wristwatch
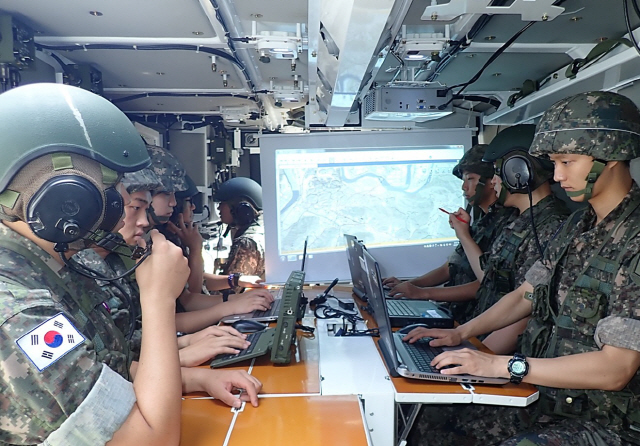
[[518, 368]]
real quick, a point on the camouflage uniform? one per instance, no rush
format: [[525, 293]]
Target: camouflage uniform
[[515, 250], [246, 256], [121, 294], [484, 232], [35, 404], [586, 295]]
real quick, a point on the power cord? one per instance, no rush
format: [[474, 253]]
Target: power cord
[[320, 300]]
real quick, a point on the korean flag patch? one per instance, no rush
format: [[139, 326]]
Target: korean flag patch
[[50, 341]]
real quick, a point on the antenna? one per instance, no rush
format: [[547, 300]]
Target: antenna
[[304, 253]]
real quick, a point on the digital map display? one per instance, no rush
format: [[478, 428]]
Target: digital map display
[[385, 197]]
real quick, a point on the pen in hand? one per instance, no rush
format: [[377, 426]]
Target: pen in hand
[[457, 218]]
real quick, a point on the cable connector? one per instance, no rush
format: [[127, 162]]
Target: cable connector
[[349, 306]]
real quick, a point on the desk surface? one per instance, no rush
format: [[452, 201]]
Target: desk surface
[[301, 376], [309, 420], [298, 405]]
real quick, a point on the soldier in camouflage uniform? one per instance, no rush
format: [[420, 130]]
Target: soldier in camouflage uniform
[[241, 209], [581, 346], [124, 303], [460, 282], [195, 311], [64, 365], [517, 247]]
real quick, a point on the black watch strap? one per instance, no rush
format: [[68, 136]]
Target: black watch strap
[[518, 368]]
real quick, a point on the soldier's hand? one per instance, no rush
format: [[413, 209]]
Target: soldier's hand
[[254, 292], [459, 221], [473, 362], [225, 385], [409, 290], [209, 347], [441, 337], [250, 282], [187, 232], [391, 281], [251, 301], [212, 331], [165, 271]]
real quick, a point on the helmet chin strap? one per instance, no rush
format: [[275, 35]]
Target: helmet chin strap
[[592, 177], [482, 183], [502, 196], [157, 220]]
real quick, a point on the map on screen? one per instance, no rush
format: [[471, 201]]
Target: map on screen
[[386, 197]]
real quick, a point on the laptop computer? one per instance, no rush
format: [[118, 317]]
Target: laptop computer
[[411, 360], [354, 254], [402, 312], [277, 340], [272, 313]]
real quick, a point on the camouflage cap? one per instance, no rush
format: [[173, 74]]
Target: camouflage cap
[[142, 180], [167, 167], [601, 124], [472, 162]]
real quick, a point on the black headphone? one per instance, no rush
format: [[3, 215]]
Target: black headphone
[[517, 173], [243, 213], [66, 207]]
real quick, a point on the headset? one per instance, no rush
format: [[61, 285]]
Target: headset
[[66, 207], [243, 213], [516, 172]]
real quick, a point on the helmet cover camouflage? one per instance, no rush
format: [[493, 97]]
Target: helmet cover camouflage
[[142, 180], [472, 162], [601, 124], [167, 167]]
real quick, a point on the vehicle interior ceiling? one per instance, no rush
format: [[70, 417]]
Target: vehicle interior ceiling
[[319, 65]]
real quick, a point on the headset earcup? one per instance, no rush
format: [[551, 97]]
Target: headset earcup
[[64, 209], [243, 213], [517, 173], [114, 209]]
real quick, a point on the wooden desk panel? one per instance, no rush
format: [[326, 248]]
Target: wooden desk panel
[[204, 422], [309, 420], [300, 376], [505, 395]]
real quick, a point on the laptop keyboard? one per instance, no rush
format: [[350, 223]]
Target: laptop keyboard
[[275, 308], [253, 338], [400, 308], [422, 354]]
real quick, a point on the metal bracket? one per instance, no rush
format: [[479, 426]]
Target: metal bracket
[[529, 10]]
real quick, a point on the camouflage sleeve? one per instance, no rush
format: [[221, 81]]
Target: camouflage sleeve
[[618, 332], [621, 327], [245, 258], [100, 415], [39, 400], [538, 274]]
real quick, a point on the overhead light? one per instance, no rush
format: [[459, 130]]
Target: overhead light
[[278, 44], [410, 55], [420, 47]]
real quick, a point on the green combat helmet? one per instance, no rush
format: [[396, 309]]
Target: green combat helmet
[[600, 124], [519, 171], [167, 167], [63, 150], [472, 162], [40, 119]]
